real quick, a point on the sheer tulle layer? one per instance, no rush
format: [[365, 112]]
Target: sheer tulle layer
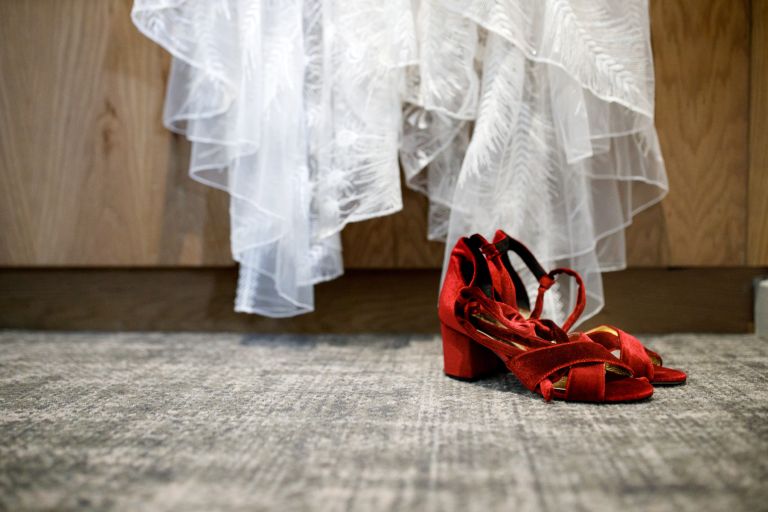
[[293, 107], [531, 116], [563, 151]]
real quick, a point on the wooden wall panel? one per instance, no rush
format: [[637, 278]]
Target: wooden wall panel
[[757, 232], [370, 244], [701, 52], [395, 241], [707, 300], [412, 249], [88, 176]]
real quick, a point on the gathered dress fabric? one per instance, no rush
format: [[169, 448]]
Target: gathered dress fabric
[[531, 116]]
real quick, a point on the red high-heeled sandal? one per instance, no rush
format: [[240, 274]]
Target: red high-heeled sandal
[[482, 336], [643, 361]]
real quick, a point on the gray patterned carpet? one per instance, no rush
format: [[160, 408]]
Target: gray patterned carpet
[[150, 421]]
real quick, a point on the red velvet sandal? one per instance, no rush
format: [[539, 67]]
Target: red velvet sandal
[[483, 336], [643, 361]]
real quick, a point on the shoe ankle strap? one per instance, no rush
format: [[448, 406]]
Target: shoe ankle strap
[[546, 282], [497, 253], [506, 244]]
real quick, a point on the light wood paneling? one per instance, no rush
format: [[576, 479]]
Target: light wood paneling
[[370, 244], [88, 176], [412, 249], [757, 233], [701, 53], [395, 241], [706, 300]]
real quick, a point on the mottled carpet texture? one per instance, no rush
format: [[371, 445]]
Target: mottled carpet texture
[[151, 421]]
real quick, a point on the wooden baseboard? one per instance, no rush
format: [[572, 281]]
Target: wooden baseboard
[[640, 300]]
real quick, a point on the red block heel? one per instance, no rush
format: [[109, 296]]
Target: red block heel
[[509, 287], [465, 359], [482, 335]]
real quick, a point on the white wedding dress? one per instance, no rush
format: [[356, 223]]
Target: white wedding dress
[[534, 116]]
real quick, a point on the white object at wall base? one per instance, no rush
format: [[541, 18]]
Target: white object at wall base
[[761, 309]]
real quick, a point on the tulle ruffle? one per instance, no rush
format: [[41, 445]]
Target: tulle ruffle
[[534, 116], [293, 107], [563, 151]]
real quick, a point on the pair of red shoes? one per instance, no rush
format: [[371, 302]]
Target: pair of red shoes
[[486, 329]]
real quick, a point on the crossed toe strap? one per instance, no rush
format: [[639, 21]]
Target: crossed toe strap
[[631, 350], [586, 364]]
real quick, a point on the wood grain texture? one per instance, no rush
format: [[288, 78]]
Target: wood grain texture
[[395, 241], [371, 243], [701, 53], [757, 224], [412, 249], [88, 175], [705, 300], [202, 299]]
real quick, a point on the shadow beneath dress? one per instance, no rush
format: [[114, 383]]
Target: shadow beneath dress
[[311, 341]]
